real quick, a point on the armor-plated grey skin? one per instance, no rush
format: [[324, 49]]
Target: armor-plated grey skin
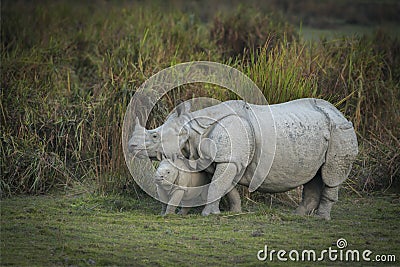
[[179, 188], [315, 147]]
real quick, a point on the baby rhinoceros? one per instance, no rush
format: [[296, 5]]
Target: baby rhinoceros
[[178, 187]]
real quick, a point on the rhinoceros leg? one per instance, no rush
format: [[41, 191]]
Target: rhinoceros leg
[[184, 211], [163, 195], [311, 196], [163, 209], [222, 182], [328, 198], [235, 203], [174, 202]]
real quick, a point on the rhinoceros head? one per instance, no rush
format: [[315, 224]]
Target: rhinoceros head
[[166, 174], [166, 140], [144, 143]]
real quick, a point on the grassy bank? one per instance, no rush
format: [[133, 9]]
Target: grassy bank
[[69, 70], [124, 231]]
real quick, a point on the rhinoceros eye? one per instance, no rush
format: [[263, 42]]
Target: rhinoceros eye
[[154, 136]]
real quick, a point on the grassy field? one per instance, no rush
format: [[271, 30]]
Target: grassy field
[[84, 230]]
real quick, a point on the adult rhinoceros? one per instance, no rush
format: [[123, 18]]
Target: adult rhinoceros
[[305, 142]]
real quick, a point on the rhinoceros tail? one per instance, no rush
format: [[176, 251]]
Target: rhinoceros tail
[[342, 148]]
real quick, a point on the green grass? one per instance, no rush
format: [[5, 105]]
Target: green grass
[[60, 230]]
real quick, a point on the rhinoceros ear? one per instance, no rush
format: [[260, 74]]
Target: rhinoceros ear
[[183, 108]]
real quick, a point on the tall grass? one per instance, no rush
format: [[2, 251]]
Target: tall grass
[[69, 71], [282, 72]]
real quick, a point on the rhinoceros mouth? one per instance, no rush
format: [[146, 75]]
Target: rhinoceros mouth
[[140, 153]]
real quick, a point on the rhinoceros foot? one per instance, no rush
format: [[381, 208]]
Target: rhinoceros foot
[[210, 209], [300, 210], [323, 215]]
